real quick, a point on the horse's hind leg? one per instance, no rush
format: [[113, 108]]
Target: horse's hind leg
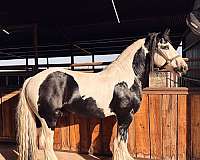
[[52, 93], [46, 134]]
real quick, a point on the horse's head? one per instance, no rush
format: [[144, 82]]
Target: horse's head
[[163, 54]]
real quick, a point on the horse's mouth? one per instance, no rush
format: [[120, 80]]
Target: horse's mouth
[[179, 71]]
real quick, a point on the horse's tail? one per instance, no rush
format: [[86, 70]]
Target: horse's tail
[[26, 128]]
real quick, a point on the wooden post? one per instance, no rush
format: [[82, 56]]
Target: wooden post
[[93, 62], [72, 57], [72, 62], [47, 62], [35, 46], [26, 63], [182, 127]]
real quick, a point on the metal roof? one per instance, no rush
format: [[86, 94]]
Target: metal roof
[[68, 28]]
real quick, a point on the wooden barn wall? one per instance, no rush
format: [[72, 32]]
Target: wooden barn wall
[[195, 125], [165, 127], [192, 51]]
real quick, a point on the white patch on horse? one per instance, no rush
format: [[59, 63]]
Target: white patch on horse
[[100, 86]]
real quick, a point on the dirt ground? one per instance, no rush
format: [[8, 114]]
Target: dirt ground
[[8, 152]]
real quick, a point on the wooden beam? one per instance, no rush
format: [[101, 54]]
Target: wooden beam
[[72, 62], [90, 64], [85, 51], [166, 90], [47, 62], [8, 96], [35, 46], [26, 63], [93, 61]]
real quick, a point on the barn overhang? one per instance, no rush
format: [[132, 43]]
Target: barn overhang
[[69, 22]]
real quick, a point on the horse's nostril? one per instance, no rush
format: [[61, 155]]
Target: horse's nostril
[[184, 69]]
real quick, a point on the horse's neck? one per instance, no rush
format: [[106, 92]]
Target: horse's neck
[[122, 68]]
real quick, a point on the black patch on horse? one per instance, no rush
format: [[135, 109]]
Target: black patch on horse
[[51, 96], [136, 88], [59, 92], [122, 100], [87, 107], [141, 67], [126, 100], [122, 105], [123, 124]]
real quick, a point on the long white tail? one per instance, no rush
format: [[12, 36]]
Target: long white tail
[[26, 128], [27, 133]]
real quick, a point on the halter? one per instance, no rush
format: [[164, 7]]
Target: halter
[[168, 61]]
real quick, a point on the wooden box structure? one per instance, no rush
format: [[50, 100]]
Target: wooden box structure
[[165, 127], [160, 79]]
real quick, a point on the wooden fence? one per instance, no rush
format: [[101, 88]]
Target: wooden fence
[[8, 103], [167, 126]]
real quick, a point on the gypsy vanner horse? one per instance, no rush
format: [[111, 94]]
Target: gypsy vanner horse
[[117, 90]]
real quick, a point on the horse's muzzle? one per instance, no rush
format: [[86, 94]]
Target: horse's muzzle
[[181, 69]]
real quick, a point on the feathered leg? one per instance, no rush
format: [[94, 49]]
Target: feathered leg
[[120, 150]]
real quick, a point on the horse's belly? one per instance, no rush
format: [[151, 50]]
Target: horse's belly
[[105, 106], [102, 96]]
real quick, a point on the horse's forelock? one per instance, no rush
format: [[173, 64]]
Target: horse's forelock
[[151, 45], [151, 41]]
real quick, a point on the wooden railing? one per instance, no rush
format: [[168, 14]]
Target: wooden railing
[[165, 127]]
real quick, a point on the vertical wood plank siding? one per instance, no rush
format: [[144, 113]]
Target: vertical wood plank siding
[[167, 126]]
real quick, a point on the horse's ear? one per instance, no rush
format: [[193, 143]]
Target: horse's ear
[[167, 31], [166, 34]]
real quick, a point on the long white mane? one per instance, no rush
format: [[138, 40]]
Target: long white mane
[[125, 59]]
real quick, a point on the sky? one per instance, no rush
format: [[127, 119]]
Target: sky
[[62, 60]]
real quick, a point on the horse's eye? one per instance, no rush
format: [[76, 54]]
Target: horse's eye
[[164, 47]]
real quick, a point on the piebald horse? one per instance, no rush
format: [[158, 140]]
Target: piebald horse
[[117, 90]]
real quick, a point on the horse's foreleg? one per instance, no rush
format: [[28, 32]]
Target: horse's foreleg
[[120, 150]]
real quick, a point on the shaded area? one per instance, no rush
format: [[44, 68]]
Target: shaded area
[[84, 135], [8, 103], [8, 151]]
